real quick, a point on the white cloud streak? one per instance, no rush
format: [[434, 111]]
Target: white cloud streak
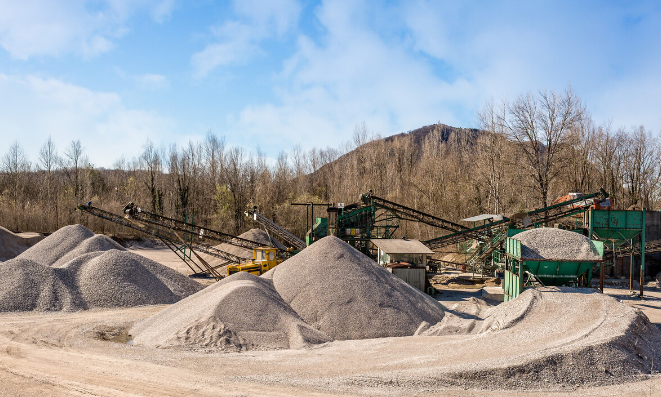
[[238, 41], [33, 108], [32, 28]]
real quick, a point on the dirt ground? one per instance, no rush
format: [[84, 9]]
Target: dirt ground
[[87, 354]]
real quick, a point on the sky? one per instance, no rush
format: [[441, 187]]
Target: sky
[[270, 75]]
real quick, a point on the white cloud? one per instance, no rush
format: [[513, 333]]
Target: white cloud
[[30, 28], [33, 108], [237, 41], [349, 75], [237, 46]]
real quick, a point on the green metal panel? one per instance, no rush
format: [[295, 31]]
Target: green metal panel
[[513, 247], [557, 273], [513, 232], [616, 227], [511, 286]]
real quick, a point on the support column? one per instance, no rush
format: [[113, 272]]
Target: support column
[[642, 257], [631, 268]]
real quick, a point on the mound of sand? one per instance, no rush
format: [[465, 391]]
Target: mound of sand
[[74, 269], [553, 243], [343, 293], [327, 291], [13, 244], [241, 312]]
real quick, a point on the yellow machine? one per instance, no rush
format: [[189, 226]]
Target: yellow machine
[[264, 259]]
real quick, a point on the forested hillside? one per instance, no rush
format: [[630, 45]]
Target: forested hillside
[[524, 155]]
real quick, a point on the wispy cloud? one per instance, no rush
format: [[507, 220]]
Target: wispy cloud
[[408, 64], [237, 40], [32, 108], [30, 28]]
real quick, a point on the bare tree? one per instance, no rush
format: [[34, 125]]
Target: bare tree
[[150, 161], [16, 166], [540, 125], [49, 161], [75, 163], [641, 167], [491, 146]]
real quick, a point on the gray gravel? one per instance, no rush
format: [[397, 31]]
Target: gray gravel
[[327, 291], [49, 250], [73, 269], [241, 312], [343, 293], [553, 243]]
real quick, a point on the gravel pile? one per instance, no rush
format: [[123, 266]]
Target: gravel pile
[[49, 250], [74, 269], [26, 285], [329, 291], [565, 336], [553, 243], [13, 244], [241, 312], [343, 293]]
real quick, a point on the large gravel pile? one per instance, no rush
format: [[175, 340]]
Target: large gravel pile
[[553, 243], [74, 269], [241, 312], [13, 244], [564, 335], [345, 294], [327, 291]]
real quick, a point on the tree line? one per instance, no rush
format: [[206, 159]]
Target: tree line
[[523, 155]]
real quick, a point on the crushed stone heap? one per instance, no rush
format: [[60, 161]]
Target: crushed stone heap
[[74, 269], [567, 335], [241, 312], [345, 294], [328, 291], [13, 244], [553, 243]]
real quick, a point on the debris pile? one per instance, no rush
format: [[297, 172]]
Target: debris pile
[[74, 269], [563, 335], [345, 294]]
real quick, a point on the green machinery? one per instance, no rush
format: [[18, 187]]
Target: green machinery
[[483, 244], [521, 272], [618, 228], [608, 230], [372, 217]]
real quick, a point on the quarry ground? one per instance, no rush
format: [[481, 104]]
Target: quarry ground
[[86, 353]]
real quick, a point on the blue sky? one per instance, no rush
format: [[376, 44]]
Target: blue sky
[[273, 74]]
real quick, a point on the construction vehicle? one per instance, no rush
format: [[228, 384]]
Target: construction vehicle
[[264, 259]]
